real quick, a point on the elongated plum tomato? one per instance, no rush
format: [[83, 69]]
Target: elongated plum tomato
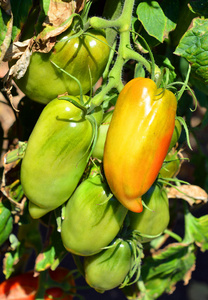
[[138, 139], [56, 156], [91, 219], [83, 57]]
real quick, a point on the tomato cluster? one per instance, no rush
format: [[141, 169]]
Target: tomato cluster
[[102, 166]]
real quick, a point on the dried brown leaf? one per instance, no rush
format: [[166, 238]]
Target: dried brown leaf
[[17, 49], [59, 18], [193, 194], [24, 50]]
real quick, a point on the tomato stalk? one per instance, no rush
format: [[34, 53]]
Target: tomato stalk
[[123, 24]]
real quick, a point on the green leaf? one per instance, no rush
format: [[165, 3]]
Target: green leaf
[[194, 48], [20, 9], [52, 254], [152, 18], [163, 62], [45, 6], [199, 7], [12, 258], [165, 268], [6, 22], [196, 230]]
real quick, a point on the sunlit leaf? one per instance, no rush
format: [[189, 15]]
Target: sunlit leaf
[[194, 48]]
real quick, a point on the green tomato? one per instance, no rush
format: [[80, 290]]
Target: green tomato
[[171, 165], [98, 150], [108, 269], [83, 57], [6, 222], [91, 219], [176, 134], [152, 221], [56, 156]]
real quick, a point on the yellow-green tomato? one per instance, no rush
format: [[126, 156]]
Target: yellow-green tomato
[[83, 57], [98, 150], [171, 165], [56, 156], [176, 134]]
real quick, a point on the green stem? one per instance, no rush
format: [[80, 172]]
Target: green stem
[[42, 285], [125, 51], [173, 235], [112, 10], [123, 22]]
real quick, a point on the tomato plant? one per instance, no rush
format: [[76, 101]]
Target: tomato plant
[[103, 120]]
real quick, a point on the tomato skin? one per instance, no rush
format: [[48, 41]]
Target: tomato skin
[[98, 150], [6, 222], [171, 165], [56, 156], [106, 270], [154, 221], [91, 221], [43, 82], [24, 286], [176, 134], [138, 139]]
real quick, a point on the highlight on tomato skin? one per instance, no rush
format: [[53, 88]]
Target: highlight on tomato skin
[[138, 139]]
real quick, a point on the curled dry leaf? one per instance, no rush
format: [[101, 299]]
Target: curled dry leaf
[[20, 67], [193, 194], [60, 11], [17, 49], [11, 186], [59, 18]]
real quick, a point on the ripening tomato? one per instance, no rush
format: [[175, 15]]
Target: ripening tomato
[[138, 139], [24, 286]]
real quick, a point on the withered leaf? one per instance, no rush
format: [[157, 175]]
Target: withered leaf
[[193, 194], [59, 18]]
